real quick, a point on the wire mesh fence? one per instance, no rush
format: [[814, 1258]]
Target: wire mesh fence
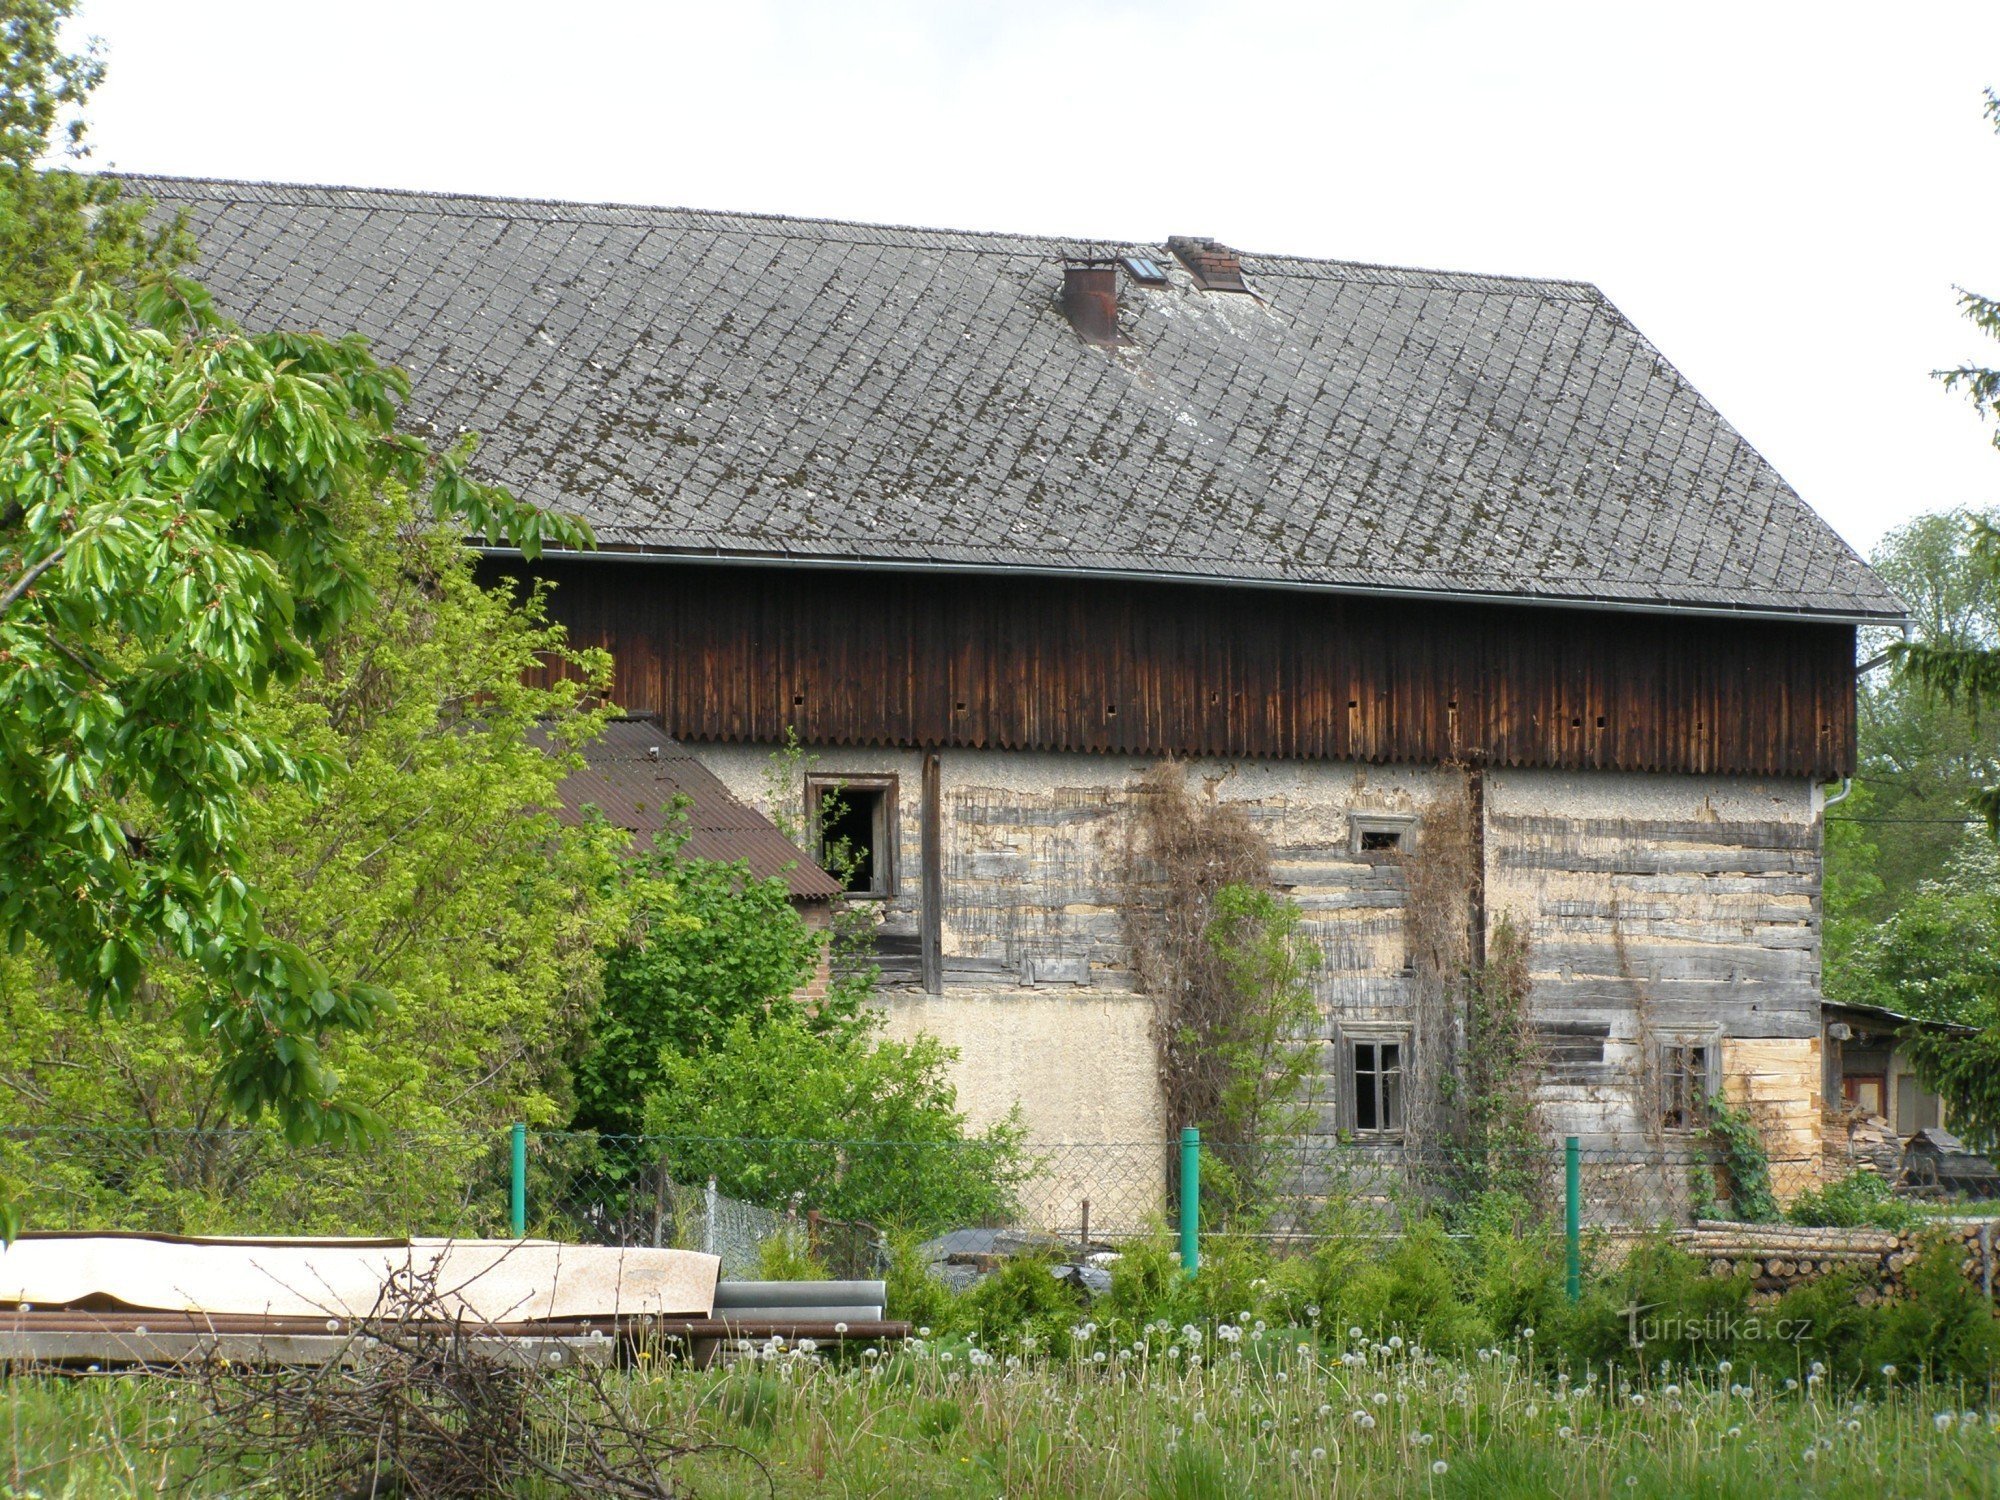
[[845, 1201]]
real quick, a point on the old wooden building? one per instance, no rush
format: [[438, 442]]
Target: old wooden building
[[993, 523]]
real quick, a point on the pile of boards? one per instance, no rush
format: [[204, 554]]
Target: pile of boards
[[166, 1299], [1778, 1256]]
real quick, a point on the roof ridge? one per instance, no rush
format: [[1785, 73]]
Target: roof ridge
[[441, 196]]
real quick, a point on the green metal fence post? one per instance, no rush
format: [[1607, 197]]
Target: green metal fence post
[[1573, 1218], [1191, 1199], [517, 1195]]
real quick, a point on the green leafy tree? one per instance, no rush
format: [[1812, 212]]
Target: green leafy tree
[[1923, 756], [169, 552], [427, 863], [58, 226], [837, 1119], [709, 944], [172, 548], [1257, 1046], [1962, 670]]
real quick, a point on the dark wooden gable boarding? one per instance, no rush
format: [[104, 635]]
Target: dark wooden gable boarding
[[744, 654]]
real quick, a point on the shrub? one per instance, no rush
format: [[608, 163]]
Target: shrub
[[1860, 1198], [787, 1256], [1660, 1305], [1024, 1297], [1942, 1325], [1419, 1290], [839, 1120], [1518, 1280], [709, 944], [1147, 1283], [915, 1295]]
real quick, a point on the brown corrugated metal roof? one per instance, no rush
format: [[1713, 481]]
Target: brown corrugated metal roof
[[636, 773]]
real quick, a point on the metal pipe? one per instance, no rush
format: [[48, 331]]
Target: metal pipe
[[1846, 786], [517, 1186], [1191, 1200], [1572, 1219]]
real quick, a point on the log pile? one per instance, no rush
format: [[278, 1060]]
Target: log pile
[[1779, 1256]]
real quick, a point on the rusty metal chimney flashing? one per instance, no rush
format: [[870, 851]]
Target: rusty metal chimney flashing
[[1090, 301]]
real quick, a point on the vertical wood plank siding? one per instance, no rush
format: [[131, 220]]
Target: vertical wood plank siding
[[932, 660]]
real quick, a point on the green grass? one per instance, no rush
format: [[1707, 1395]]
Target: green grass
[[1166, 1418]]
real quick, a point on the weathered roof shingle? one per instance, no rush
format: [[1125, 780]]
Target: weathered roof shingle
[[712, 383], [641, 779]]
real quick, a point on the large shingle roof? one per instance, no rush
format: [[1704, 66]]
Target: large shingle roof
[[713, 383]]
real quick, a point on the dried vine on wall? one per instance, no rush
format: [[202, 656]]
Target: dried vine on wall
[[1505, 1063], [1216, 949], [1438, 874], [1477, 1058]]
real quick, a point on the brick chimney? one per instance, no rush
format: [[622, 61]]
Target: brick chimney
[[1090, 300], [1216, 267]]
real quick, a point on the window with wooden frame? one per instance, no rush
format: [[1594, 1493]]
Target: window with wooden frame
[[855, 816], [1374, 1069], [1687, 1081], [1380, 834]]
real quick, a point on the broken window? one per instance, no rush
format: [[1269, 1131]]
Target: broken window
[[1685, 1085], [1375, 1069], [1379, 833], [856, 820]]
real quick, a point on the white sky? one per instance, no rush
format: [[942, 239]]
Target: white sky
[[1781, 196]]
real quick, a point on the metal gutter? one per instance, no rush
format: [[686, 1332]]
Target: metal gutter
[[1593, 603]]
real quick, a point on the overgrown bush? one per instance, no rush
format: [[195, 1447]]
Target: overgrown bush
[[709, 944], [1023, 1306], [1458, 1294], [1217, 950], [844, 1121], [1860, 1198]]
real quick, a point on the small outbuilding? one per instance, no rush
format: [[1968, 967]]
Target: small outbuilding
[[1868, 1069]]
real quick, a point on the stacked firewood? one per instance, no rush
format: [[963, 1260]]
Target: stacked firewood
[[1777, 1256]]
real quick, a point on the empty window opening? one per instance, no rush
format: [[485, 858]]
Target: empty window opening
[[856, 818], [1376, 1086], [1684, 1085], [1572, 1041], [1380, 833]]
